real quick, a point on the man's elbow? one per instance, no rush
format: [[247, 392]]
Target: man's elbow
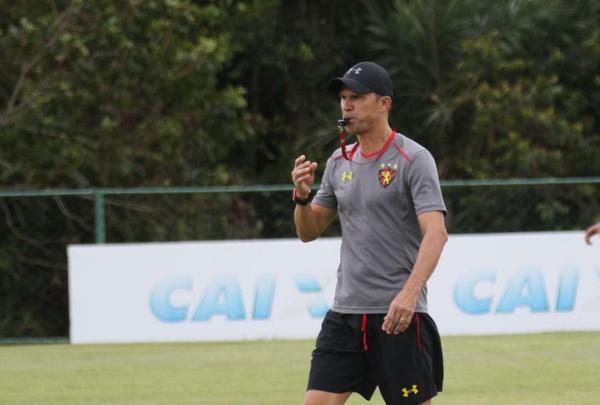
[[438, 234], [306, 238], [443, 235]]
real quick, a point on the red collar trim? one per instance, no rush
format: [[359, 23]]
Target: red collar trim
[[376, 155]]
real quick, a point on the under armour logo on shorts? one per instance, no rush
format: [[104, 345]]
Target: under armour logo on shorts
[[413, 390]]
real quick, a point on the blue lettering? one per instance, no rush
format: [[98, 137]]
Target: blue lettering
[[525, 289], [307, 283], [160, 299], [222, 297], [464, 292], [263, 300], [318, 309], [567, 290]]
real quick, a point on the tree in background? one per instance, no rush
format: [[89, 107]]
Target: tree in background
[[99, 94], [497, 90], [227, 92], [117, 94]]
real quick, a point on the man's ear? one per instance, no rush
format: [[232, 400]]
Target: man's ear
[[386, 102]]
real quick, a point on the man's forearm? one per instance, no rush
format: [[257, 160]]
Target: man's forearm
[[426, 261], [307, 227], [404, 304], [311, 220]]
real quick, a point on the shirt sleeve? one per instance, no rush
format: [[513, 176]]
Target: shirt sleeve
[[424, 183], [326, 194]]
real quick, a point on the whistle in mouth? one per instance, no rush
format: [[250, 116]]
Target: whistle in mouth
[[343, 122]]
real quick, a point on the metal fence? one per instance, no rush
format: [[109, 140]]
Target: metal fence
[[37, 226]]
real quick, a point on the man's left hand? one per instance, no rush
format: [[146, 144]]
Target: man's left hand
[[400, 313]]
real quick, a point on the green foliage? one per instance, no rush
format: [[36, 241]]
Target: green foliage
[[286, 52], [488, 86], [218, 92], [119, 95]]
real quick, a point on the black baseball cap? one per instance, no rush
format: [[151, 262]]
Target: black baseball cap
[[364, 77]]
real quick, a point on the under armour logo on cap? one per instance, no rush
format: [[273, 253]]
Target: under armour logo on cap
[[355, 70], [364, 77]]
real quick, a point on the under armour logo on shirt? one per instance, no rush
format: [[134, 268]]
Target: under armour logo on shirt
[[355, 70]]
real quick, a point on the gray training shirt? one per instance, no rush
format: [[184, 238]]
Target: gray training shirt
[[378, 198]]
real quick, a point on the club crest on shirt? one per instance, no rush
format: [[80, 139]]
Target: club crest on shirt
[[387, 174], [347, 177]]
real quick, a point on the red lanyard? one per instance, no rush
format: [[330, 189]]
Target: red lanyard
[[355, 148]]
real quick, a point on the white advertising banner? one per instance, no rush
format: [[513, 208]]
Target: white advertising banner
[[516, 283], [200, 290], [263, 289]]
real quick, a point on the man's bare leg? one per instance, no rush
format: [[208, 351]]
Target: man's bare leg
[[316, 397]]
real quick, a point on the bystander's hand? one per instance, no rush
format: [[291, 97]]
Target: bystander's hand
[[591, 231]]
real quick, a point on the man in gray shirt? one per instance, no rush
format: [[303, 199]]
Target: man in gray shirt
[[386, 191]]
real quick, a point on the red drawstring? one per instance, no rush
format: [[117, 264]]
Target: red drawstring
[[418, 333], [363, 329]]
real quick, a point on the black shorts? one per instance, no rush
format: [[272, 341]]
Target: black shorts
[[353, 354]]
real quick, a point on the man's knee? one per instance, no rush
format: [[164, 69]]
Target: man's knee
[[315, 397]]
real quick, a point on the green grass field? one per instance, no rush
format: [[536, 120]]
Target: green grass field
[[556, 368]]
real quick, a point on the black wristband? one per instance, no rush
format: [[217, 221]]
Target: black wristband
[[303, 201]]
